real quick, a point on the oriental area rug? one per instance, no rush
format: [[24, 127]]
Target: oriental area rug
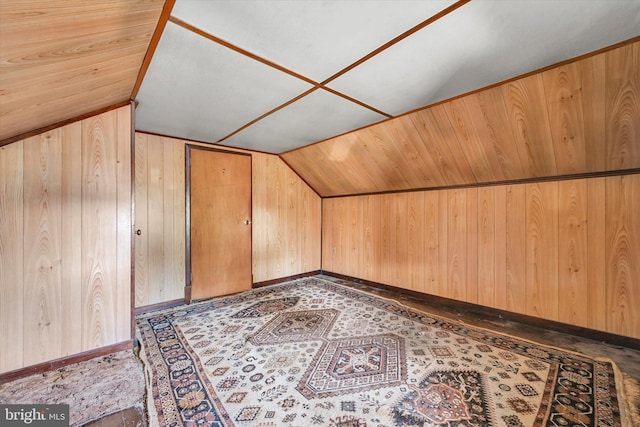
[[312, 352]]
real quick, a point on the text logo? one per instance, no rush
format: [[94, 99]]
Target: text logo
[[34, 415]]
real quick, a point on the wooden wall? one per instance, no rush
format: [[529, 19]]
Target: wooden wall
[[567, 251], [575, 118], [286, 220], [65, 241]]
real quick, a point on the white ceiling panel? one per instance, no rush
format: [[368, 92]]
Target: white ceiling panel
[[317, 116], [200, 90], [484, 42], [313, 38]]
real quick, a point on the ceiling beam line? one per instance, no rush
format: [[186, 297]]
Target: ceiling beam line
[[153, 44], [315, 84], [360, 103], [289, 102], [399, 38], [278, 67], [244, 52]]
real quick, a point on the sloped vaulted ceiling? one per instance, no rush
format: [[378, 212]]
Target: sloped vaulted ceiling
[[60, 59], [277, 75], [280, 75], [578, 118]]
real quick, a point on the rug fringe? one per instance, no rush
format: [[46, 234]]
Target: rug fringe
[[630, 396], [152, 414]]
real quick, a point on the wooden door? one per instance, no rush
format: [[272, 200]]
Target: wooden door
[[218, 223]]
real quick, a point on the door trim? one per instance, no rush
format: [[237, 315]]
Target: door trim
[[187, 181]]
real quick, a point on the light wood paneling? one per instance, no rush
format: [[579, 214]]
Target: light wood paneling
[[622, 249], [11, 256], [65, 199], [573, 251], [292, 219], [560, 250], [576, 118], [597, 254], [486, 246], [440, 142], [99, 226], [84, 56], [415, 238], [593, 77], [563, 89], [542, 250], [456, 286], [285, 228], [160, 217], [155, 232], [472, 246], [431, 238], [124, 220], [142, 284], [42, 247], [514, 220], [72, 238], [622, 101]]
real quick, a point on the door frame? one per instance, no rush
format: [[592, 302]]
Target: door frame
[[187, 180]]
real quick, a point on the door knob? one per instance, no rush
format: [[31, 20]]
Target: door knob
[[247, 222], [138, 232]]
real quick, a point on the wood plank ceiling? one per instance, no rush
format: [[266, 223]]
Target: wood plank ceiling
[[65, 58], [577, 118]]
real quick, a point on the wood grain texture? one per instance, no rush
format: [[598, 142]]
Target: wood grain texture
[[69, 248], [593, 82], [486, 246], [84, 56], [303, 212], [623, 254], [142, 283], [178, 260], [525, 100], [432, 239], [563, 90], [160, 217], [472, 246], [220, 215], [562, 250], [387, 242], [285, 230], [124, 220], [490, 138], [622, 100], [597, 254], [414, 224], [99, 224], [482, 159], [155, 222], [72, 239], [576, 118], [42, 246], [11, 255], [435, 131], [573, 252], [369, 233], [542, 250], [515, 229], [456, 286]]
